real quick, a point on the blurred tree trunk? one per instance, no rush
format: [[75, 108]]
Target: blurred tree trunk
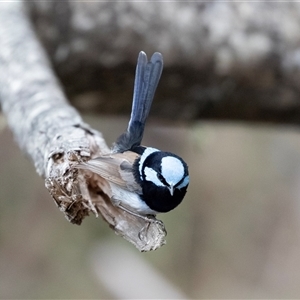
[[229, 61]]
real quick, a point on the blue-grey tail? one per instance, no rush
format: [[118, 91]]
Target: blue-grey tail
[[147, 76]]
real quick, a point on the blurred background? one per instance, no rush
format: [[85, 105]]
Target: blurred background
[[236, 234]]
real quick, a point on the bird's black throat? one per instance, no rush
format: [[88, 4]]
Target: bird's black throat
[[160, 198]]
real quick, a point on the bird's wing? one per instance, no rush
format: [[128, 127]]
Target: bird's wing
[[115, 168]]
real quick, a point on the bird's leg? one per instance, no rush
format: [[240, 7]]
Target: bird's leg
[[147, 218]]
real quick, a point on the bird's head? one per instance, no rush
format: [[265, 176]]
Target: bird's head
[[164, 178]]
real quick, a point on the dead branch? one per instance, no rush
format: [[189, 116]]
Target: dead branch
[[53, 134]]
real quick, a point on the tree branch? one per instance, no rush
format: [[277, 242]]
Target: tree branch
[[53, 134]]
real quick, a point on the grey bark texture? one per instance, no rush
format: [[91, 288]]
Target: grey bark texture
[[223, 60], [53, 134]]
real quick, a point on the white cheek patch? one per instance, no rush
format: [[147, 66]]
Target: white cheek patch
[[184, 183], [172, 169], [146, 153], [151, 175]]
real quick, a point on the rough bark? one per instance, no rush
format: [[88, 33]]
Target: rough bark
[[53, 134], [229, 60]]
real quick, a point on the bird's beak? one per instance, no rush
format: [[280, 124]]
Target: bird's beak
[[171, 189]]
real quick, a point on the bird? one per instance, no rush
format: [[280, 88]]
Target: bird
[[144, 180]]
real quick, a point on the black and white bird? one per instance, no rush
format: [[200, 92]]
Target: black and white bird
[[144, 180]]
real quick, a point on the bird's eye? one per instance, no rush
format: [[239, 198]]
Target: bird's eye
[[162, 179]]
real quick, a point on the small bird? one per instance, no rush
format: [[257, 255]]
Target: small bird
[[144, 180]]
